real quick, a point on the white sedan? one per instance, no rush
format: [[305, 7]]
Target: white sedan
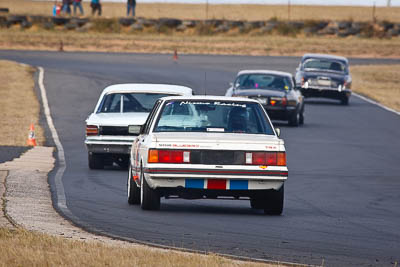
[[208, 147], [117, 117]]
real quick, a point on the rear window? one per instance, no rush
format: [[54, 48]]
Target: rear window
[[324, 65], [213, 116], [129, 102], [263, 81]]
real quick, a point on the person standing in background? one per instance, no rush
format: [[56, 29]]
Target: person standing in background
[[78, 4], [131, 5], [96, 6], [66, 8]]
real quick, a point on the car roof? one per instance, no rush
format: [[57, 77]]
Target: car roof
[[325, 56], [210, 97], [274, 72], [148, 88]]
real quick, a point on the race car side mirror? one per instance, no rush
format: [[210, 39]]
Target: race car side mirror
[[134, 129], [278, 132]]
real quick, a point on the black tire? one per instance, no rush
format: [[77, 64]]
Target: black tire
[[149, 198], [344, 101], [294, 119], [133, 191], [301, 120], [96, 161], [273, 201]]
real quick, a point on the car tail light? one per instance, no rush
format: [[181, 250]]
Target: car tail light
[[302, 81], [266, 158], [281, 159], [274, 101], [153, 156], [92, 130], [168, 156]]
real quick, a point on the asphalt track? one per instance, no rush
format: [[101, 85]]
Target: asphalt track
[[342, 199]]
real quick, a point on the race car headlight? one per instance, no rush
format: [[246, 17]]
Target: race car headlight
[[92, 130], [134, 129]]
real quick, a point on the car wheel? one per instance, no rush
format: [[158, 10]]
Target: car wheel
[[273, 204], [96, 161], [301, 119], [294, 119], [132, 190], [344, 101], [149, 198]]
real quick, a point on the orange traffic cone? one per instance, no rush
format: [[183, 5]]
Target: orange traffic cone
[[31, 137], [175, 55]]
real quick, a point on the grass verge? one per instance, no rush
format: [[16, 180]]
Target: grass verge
[[23, 248], [18, 104], [378, 82], [227, 44]]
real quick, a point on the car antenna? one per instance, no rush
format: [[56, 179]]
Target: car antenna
[[205, 83]]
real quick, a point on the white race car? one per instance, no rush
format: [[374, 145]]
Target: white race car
[[208, 147], [117, 118]]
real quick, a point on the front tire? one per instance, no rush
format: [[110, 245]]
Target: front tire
[[96, 161], [150, 198], [133, 190]]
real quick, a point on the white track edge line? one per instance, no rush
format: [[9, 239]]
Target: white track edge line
[[376, 103], [61, 200]]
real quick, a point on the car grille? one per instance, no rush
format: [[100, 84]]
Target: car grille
[[114, 130], [217, 157]]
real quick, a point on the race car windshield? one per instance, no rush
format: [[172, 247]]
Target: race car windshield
[[213, 116], [324, 65], [263, 81], [128, 102]]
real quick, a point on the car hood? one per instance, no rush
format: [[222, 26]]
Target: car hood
[[259, 92], [117, 119], [332, 75], [229, 141]]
